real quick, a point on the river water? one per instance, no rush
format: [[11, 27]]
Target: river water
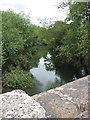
[[47, 76]]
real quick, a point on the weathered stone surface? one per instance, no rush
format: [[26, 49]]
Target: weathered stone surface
[[76, 92], [83, 114], [56, 107], [17, 104], [67, 101]]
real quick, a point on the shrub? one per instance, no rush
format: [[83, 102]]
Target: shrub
[[17, 79]]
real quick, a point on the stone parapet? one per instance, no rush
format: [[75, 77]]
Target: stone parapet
[[68, 101]]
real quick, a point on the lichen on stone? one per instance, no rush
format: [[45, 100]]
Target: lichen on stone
[[17, 104]]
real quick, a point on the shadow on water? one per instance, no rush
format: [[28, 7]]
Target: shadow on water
[[48, 76]]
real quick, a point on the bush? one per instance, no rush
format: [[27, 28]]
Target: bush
[[19, 41], [17, 79]]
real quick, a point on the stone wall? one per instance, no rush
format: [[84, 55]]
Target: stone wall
[[67, 101], [17, 104]]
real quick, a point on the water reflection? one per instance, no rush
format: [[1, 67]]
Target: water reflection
[[48, 63], [48, 76], [45, 73], [83, 72]]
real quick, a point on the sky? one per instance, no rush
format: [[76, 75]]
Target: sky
[[38, 9]]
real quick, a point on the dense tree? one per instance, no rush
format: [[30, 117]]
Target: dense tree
[[19, 41], [70, 42], [19, 44]]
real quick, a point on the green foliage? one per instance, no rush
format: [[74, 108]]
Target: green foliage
[[58, 32], [70, 42], [19, 40], [19, 45], [17, 79], [79, 12], [42, 34]]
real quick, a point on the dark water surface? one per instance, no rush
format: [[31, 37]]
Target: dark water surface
[[47, 76]]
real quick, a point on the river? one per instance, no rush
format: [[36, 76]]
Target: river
[[47, 76]]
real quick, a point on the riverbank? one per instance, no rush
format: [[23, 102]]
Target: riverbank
[[44, 75], [21, 78], [67, 101]]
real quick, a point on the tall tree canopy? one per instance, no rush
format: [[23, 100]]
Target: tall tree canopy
[[18, 41], [71, 42], [19, 44]]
